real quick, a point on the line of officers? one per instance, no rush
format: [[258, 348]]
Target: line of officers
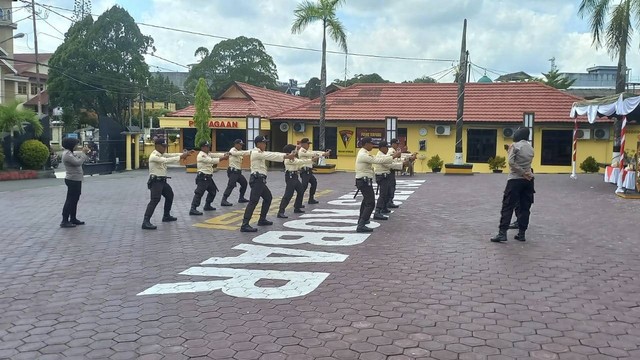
[[298, 162]]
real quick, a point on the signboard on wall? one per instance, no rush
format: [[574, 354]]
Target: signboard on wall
[[377, 134], [347, 141]]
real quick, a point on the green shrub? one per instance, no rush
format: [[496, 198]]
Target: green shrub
[[33, 154], [497, 163], [1, 159], [435, 162], [589, 165], [173, 138]]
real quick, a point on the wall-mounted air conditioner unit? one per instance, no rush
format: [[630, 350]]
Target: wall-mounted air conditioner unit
[[298, 127], [583, 134], [508, 132], [443, 130], [601, 134], [284, 127]]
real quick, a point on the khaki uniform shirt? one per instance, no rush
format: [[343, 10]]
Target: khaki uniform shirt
[[307, 155], [520, 158], [365, 161], [158, 162], [236, 156], [206, 161], [380, 169], [295, 164], [391, 152], [259, 160]]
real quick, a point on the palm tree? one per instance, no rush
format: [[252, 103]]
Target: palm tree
[[12, 118], [612, 27], [306, 13]]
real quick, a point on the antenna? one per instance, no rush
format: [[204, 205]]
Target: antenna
[[553, 63], [345, 68]]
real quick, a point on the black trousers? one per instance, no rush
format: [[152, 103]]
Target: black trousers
[[308, 178], [204, 184], [518, 192], [368, 201], [517, 208], [293, 185], [235, 177], [384, 191], [70, 208], [392, 186], [158, 189], [259, 190]]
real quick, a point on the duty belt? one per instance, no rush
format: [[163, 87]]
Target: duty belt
[[233, 170], [383, 175], [288, 172], [159, 178]]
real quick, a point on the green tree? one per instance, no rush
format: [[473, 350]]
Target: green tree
[[100, 65], [161, 89], [611, 25], [241, 59], [362, 78], [556, 80], [12, 118], [421, 80], [309, 12], [203, 114], [311, 89]]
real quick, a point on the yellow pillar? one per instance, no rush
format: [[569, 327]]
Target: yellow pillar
[[128, 151], [136, 152]]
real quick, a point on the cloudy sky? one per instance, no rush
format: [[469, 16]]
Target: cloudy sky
[[503, 35]]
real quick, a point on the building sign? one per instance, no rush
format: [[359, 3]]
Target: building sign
[[377, 134], [347, 141], [218, 124]]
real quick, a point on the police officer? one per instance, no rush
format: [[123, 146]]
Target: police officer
[[293, 184], [157, 182], [258, 183], [306, 172], [364, 180], [234, 173], [519, 190], [383, 180], [204, 179], [395, 147]]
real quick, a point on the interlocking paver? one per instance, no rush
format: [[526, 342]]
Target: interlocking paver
[[425, 284]]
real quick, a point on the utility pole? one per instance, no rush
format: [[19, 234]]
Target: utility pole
[[35, 43], [462, 78]]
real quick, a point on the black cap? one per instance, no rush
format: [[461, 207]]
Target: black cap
[[383, 144], [521, 134], [205, 143], [238, 141], [260, 138], [394, 141], [305, 141], [366, 140], [160, 141], [287, 149]]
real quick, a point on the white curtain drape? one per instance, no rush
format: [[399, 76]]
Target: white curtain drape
[[620, 107]]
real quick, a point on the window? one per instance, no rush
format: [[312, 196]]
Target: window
[[22, 88], [34, 88], [556, 147], [402, 137], [225, 138], [330, 140], [481, 145], [392, 128], [189, 138], [253, 130]]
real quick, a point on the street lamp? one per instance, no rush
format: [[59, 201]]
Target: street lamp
[[16, 36]]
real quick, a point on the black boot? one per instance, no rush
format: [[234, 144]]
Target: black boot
[[168, 218], [264, 222], [246, 227], [147, 225], [208, 207], [362, 228], [193, 211], [520, 236], [391, 205], [313, 201], [67, 224], [224, 202], [514, 225], [242, 199], [281, 215], [378, 216], [76, 222], [502, 236], [298, 211], [385, 211]]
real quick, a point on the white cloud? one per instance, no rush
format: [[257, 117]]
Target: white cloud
[[505, 35]]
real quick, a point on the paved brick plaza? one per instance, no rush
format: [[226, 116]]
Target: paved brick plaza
[[427, 284]]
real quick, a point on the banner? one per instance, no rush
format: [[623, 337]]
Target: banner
[[376, 134], [347, 141]]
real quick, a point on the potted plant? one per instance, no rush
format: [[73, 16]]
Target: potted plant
[[435, 163], [144, 161], [497, 163]]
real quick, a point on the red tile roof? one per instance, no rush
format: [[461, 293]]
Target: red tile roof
[[44, 99], [486, 102], [258, 102]]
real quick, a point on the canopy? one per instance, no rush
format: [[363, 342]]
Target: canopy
[[619, 104]]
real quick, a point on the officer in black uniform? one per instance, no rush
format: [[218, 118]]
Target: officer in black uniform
[[234, 173], [395, 147], [204, 178]]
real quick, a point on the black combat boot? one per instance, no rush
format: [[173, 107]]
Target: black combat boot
[[313, 201], [147, 225], [76, 222], [67, 224], [391, 205], [385, 211], [378, 215], [362, 228], [281, 215], [520, 236], [264, 222], [246, 227], [208, 207], [298, 211], [242, 199], [169, 218], [194, 211], [502, 236], [224, 202], [514, 225]]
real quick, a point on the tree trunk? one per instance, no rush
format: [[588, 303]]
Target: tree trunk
[[323, 88], [621, 81]]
